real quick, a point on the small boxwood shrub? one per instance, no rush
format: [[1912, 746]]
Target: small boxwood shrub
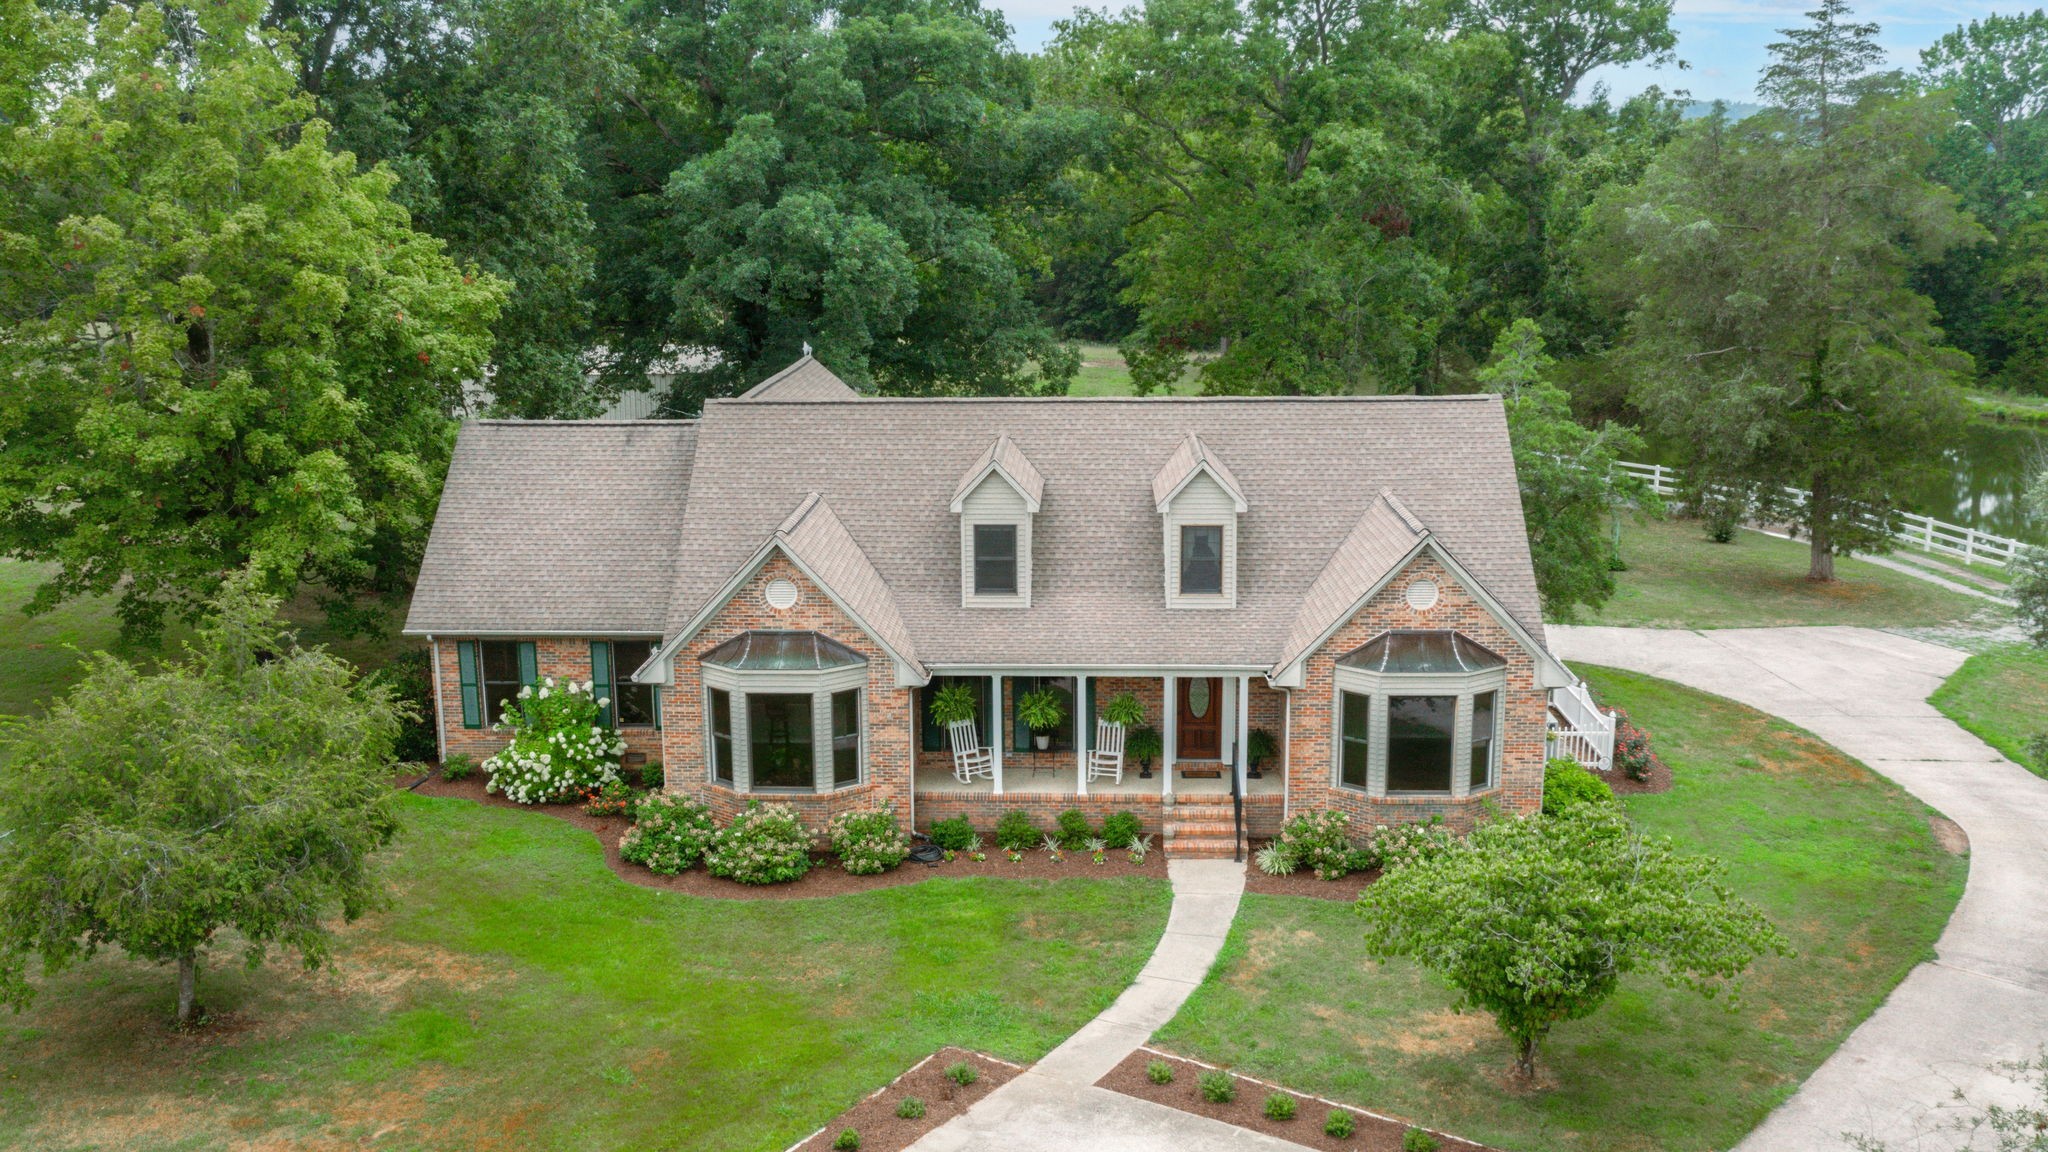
[[1121, 829], [1218, 1087], [962, 1073], [1016, 833], [848, 1140], [458, 767], [765, 844], [652, 775], [1567, 785], [1073, 830], [910, 1108], [953, 835], [868, 841], [1319, 840], [1279, 1106], [1416, 1140], [1159, 1072], [1339, 1124], [669, 834]]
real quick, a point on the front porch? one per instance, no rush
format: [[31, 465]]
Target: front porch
[[1213, 779]]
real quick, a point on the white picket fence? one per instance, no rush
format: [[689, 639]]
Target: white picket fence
[[1922, 532], [1579, 729]]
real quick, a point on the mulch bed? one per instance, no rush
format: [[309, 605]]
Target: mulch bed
[[1659, 781], [1374, 1132], [1303, 882], [826, 878], [881, 1130]]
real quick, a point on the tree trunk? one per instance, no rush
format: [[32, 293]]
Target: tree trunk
[[1820, 530], [1525, 1059], [188, 989]]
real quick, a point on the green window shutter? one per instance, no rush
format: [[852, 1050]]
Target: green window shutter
[[472, 694], [654, 694], [1020, 734], [601, 678], [1090, 710], [928, 732], [529, 664]]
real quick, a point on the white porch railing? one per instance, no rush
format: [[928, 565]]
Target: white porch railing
[[1579, 729], [1922, 532]]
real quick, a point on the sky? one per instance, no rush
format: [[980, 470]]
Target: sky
[[1725, 42]]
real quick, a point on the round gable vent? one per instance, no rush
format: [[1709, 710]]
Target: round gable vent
[[781, 595], [1422, 595]]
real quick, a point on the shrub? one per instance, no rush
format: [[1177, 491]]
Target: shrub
[[458, 767], [1319, 840], [1416, 1140], [1074, 831], [868, 842], [910, 1108], [1016, 833], [953, 835], [669, 834], [1279, 1106], [411, 676], [652, 775], [1339, 1124], [1159, 1072], [848, 1140], [1218, 1087], [558, 748], [1405, 844], [1567, 785], [1632, 751], [962, 1073], [614, 799], [1274, 860], [766, 844], [1121, 829]]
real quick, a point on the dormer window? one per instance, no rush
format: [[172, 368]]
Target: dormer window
[[996, 501], [1200, 502]]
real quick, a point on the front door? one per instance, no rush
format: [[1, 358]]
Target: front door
[[1198, 730]]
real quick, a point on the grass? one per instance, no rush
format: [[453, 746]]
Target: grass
[[1104, 373], [2019, 407], [2002, 696], [1679, 579], [519, 995], [39, 655], [1843, 861]]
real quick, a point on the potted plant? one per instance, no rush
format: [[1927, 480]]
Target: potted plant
[[1043, 713], [1145, 746], [1124, 711], [952, 704], [1259, 747]]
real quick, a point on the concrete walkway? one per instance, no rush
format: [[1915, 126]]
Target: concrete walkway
[[1985, 998], [1055, 1107]]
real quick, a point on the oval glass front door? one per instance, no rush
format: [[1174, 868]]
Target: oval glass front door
[[1198, 699]]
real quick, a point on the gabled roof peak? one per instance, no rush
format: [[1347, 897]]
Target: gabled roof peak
[[1191, 457], [1003, 458], [805, 381]]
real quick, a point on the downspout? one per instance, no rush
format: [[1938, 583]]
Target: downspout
[[1286, 756], [440, 713]]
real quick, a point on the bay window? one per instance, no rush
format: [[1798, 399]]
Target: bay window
[[784, 712], [1418, 715]]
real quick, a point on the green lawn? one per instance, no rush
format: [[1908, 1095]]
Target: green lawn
[[1679, 579], [519, 995], [1103, 373], [1843, 861], [38, 660], [2002, 696]]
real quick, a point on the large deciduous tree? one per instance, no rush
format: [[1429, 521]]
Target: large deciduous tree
[[1774, 332], [1537, 919], [245, 786], [222, 344]]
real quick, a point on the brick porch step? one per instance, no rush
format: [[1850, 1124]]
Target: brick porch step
[[1202, 848]]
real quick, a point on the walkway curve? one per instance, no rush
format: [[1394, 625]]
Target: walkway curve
[[1054, 1105], [1985, 997]]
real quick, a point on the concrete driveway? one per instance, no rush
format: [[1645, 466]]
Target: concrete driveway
[[1985, 997]]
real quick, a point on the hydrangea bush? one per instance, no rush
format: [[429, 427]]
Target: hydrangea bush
[[868, 841], [558, 748], [669, 834], [1405, 844], [1318, 840], [766, 844]]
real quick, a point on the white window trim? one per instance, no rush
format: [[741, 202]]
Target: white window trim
[[819, 686], [1377, 687], [1175, 598], [969, 598]]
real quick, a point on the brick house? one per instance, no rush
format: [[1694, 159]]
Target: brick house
[[770, 595]]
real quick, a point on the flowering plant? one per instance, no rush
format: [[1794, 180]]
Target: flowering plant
[[669, 834], [1632, 751], [558, 748], [1318, 840], [765, 844], [1405, 844], [869, 841], [614, 799]]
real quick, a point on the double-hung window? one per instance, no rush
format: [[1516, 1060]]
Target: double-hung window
[[1201, 560], [995, 559], [503, 676]]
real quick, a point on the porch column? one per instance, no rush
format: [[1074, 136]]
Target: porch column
[[1238, 746], [1168, 711], [995, 738], [1081, 734]]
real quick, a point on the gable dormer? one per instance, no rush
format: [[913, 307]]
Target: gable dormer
[[996, 502], [1199, 503]]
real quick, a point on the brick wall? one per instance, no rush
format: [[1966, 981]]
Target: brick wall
[[1310, 783], [1261, 813], [560, 657], [890, 733]]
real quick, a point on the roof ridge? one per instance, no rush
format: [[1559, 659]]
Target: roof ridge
[[870, 401], [592, 422], [795, 519]]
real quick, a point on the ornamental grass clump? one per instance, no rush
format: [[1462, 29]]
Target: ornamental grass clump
[[1319, 840], [558, 748], [765, 844], [670, 834], [868, 841]]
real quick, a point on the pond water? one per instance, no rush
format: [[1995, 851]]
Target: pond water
[[1987, 474]]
